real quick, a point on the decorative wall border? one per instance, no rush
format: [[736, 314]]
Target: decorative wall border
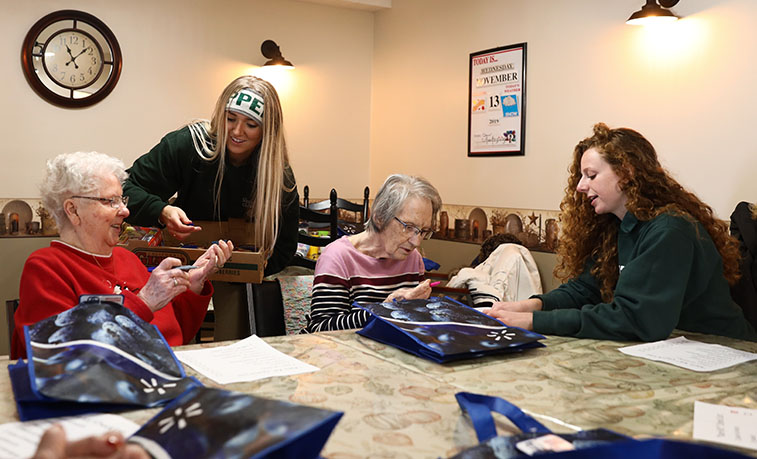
[[536, 229], [25, 217]]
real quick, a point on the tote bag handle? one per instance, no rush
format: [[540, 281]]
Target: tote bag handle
[[480, 407]]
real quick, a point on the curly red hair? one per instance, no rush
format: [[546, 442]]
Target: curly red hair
[[650, 190]]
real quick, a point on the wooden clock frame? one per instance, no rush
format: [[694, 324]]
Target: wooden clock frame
[[48, 88]]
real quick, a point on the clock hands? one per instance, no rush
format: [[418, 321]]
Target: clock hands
[[81, 52], [73, 59]]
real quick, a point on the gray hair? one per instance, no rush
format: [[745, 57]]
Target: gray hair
[[393, 195], [79, 173]]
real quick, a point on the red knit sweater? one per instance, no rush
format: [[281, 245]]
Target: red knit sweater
[[54, 277]]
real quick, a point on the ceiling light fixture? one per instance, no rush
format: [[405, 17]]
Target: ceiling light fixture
[[654, 13], [271, 50]]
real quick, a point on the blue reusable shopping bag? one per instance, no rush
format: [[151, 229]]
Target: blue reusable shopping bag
[[443, 330], [95, 357], [204, 423], [536, 439]]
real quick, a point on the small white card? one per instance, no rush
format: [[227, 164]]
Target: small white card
[[725, 424], [247, 360], [691, 355], [544, 444]]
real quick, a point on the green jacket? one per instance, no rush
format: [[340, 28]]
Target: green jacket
[[671, 276], [174, 166]]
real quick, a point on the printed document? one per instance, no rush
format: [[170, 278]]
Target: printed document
[[247, 360], [691, 355], [725, 424]]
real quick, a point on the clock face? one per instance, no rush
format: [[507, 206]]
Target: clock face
[[71, 58]]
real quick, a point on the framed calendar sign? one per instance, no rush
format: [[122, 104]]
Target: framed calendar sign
[[497, 102]]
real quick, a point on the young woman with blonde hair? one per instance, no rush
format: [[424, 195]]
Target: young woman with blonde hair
[[641, 254], [234, 166]]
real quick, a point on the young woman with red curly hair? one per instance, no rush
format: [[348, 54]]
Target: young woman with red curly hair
[[641, 254]]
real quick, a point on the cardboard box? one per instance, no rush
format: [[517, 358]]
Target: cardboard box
[[240, 232], [243, 266]]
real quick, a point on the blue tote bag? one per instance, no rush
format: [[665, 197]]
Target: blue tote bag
[[443, 330], [536, 439], [95, 357], [204, 423]]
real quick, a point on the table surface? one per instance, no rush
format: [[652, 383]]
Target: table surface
[[400, 406]]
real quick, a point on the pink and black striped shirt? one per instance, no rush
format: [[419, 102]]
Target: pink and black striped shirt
[[344, 275]]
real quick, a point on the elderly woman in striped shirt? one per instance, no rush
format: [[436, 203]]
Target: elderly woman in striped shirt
[[380, 264]]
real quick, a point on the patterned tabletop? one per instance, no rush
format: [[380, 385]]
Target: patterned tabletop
[[400, 406]]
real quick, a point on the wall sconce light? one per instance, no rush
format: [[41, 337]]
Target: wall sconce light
[[652, 13], [271, 50]]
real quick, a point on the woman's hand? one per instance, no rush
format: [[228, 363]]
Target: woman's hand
[[177, 223], [524, 320], [422, 290], [529, 305], [53, 445], [164, 284], [209, 262], [516, 313]]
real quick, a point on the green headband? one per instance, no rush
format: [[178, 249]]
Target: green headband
[[248, 103]]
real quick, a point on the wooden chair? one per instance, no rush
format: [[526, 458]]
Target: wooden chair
[[462, 295], [321, 216], [335, 201], [324, 215]]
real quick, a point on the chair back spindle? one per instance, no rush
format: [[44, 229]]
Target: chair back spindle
[[325, 214]]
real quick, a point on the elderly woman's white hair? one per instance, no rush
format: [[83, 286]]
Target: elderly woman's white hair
[[393, 195], [80, 173]]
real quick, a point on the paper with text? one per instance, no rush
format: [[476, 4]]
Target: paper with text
[[247, 360], [725, 424], [691, 355], [20, 439]]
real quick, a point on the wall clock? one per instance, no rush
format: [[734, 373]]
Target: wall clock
[[71, 59]]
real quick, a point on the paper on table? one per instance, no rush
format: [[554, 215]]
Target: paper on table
[[247, 360], [20, 439], [725, 424], [691, 355]]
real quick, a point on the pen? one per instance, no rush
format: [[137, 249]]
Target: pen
[[182, 267], [434, 284], [185, 267]]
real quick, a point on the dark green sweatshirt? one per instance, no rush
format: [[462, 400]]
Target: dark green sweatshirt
[[174, 166], [671, 276]]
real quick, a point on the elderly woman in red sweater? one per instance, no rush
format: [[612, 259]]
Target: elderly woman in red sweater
[[83, 192]]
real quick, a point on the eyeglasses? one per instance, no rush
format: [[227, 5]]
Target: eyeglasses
[[114, 202], [412, 230]]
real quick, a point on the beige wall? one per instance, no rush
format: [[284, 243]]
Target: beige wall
[[688, 88], [178, 56], [376, 93]]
